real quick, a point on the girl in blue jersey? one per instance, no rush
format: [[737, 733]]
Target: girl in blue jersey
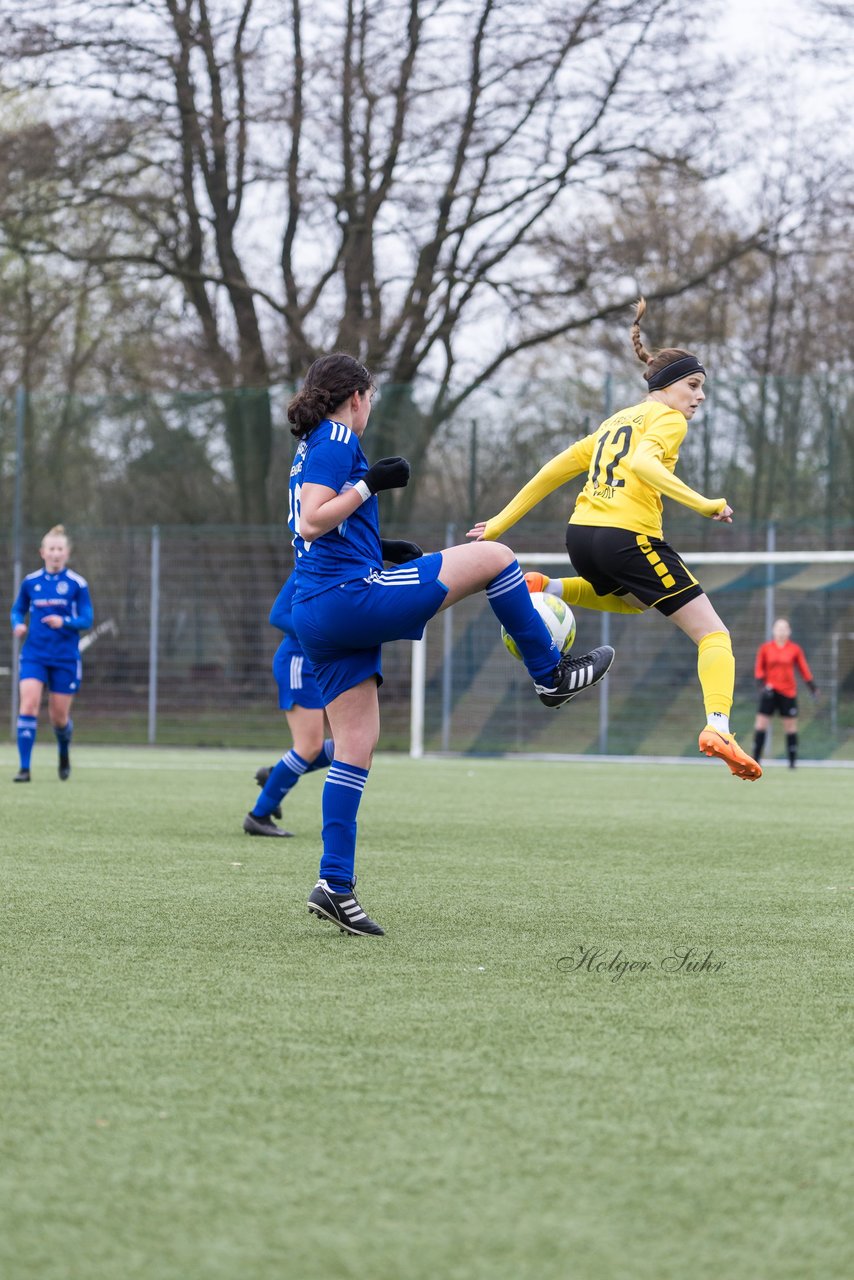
[[60, 608], [302, 702], [346, 605]]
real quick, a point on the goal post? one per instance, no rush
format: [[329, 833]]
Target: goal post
[[469, 697]]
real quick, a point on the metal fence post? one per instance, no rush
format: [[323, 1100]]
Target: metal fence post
[[834, 685], [17, 538], [447, 660], [770, 579], [605, 638], [770, 609], [605, 635], [416, 708], [153, 629]]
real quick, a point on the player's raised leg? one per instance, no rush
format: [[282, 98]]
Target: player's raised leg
[[579, 593], [492, 566]]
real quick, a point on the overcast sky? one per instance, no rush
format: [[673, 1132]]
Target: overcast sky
[[758, 23], [764, 28], [776, 36]]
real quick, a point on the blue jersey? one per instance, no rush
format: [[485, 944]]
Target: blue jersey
[[332, 456], [292, 670], [64, 593], [280, 617]]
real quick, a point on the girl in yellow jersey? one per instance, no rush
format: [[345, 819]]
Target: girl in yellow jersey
[[614, 535]]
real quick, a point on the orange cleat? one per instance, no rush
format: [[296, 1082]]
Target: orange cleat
[[725, 747], [536, 582]]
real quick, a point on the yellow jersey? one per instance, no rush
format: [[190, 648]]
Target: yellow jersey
[[629, 462]]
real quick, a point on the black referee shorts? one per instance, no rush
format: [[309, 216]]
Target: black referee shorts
[[771, 700], [620, 561]]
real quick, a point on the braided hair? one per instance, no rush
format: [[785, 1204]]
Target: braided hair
[[655, 361], [329, 382]]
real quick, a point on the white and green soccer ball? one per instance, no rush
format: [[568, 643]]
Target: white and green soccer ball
[[557, 616]]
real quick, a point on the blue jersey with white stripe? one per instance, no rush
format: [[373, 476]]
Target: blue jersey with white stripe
[[280, 617], [332, 456], [292, 670], [42, 594]]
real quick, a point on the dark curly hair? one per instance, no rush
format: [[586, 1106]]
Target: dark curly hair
[[329, 382]]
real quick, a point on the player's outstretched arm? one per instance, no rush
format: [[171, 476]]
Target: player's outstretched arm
[[565, 466], [647, 466]]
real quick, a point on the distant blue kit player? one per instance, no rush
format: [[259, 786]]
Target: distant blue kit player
[[302, 702], [57, 603]]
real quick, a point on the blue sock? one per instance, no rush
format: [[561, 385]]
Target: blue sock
[[63, 736], [283, 776], [26, 738], [342, 792], [511, 603], [286, 774], [324, 757]]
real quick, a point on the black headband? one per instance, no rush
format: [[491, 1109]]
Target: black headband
[[674, 372]]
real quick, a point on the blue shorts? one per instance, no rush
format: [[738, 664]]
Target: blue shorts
[[342, 630], [295, 677], [60, 677]]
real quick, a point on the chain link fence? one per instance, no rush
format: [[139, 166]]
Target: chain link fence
[[152, 486], [181, 652], [478, 700]]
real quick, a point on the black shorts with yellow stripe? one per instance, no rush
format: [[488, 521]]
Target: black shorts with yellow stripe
[[621, 562]]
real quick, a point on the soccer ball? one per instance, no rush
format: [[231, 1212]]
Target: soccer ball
[[557, 616]]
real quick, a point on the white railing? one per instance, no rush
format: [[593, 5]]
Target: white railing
[[832, 678]]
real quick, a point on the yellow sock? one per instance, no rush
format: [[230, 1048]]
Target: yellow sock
[[579, 592], [716, 669]]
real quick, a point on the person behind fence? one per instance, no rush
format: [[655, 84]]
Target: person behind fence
[[59, 606], [302, 702], [615, 538], [776, 661], [346, 605]]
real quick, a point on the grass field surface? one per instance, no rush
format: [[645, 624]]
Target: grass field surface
[[201, 1080]]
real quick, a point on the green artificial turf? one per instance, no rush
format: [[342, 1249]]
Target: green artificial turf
[[201, 1080]]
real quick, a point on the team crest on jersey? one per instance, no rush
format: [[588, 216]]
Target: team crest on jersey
[[62, 588]]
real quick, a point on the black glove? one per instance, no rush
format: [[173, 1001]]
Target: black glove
[[388, 473], [399, 551]]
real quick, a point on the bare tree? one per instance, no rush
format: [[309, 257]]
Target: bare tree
[[367, 174], [66, 328]]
